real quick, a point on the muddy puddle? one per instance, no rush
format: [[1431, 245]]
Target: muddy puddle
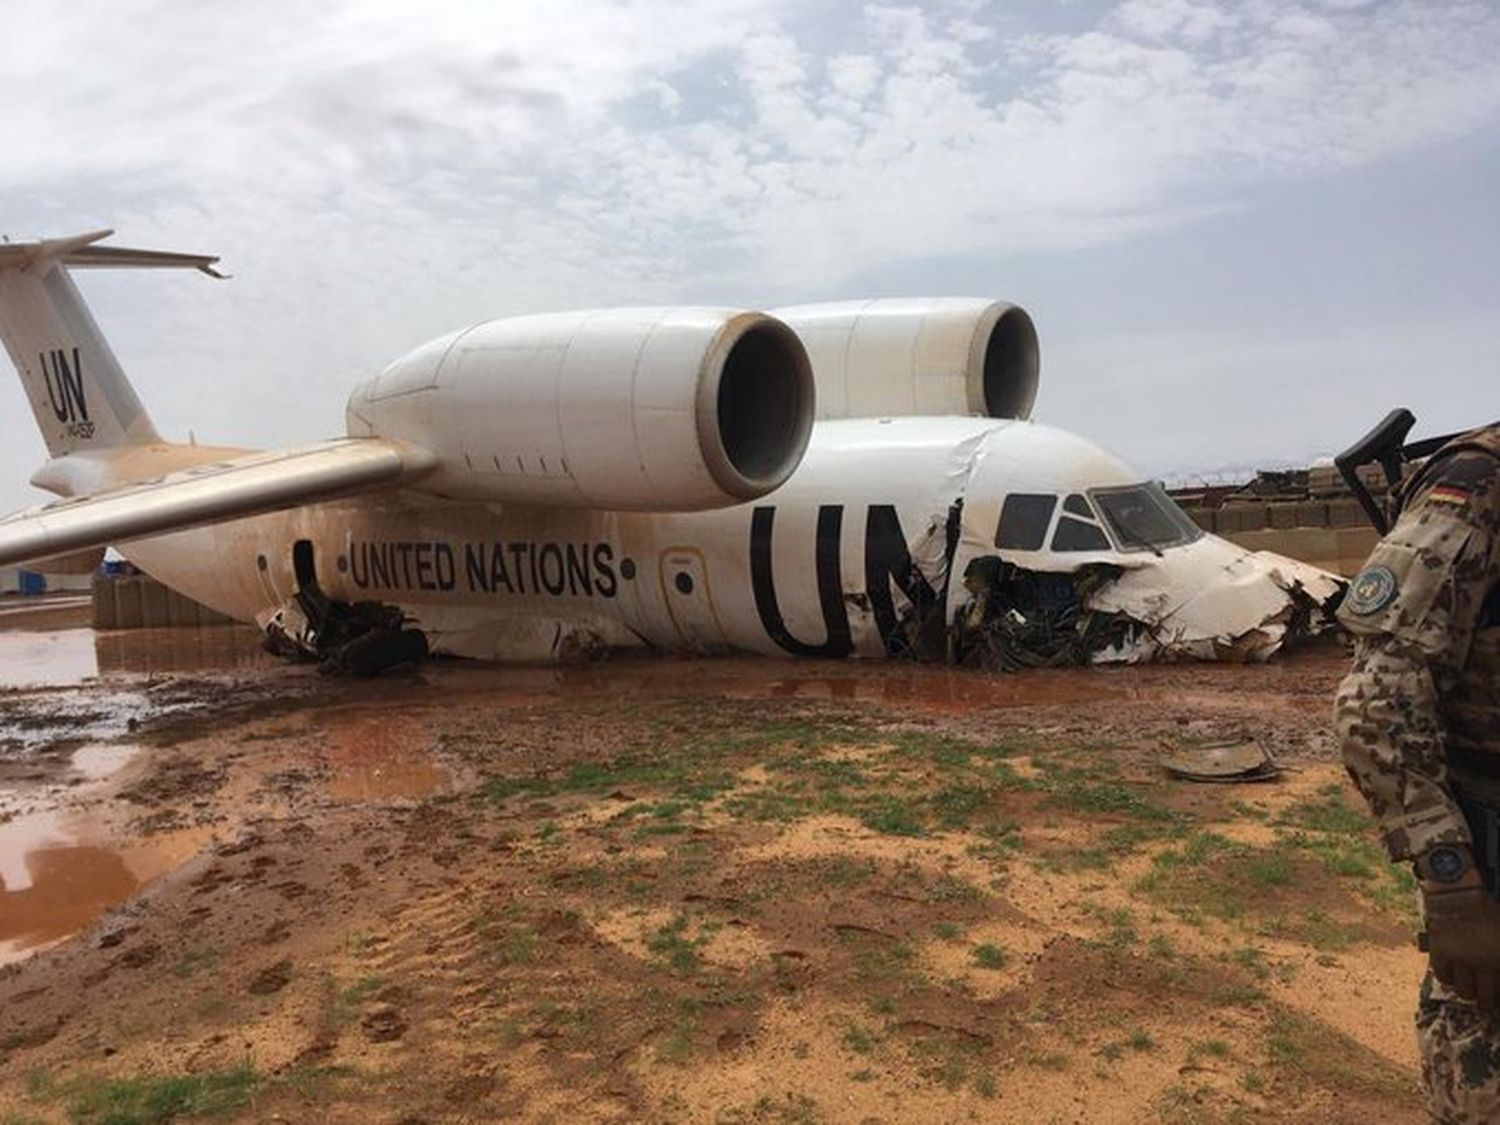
[[380, 758], [61, 870], [63, 863], [68, 657]]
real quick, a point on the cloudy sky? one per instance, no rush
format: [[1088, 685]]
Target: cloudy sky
[[1245, 229]]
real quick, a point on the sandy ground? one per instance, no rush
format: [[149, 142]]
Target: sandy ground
[[718, 891]]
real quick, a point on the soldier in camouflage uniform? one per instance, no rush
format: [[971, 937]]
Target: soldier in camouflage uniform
[[1419, 723]]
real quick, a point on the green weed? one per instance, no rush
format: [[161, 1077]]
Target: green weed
[[990, 956]]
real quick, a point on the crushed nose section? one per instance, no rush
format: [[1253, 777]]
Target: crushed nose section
[[1208, 601], [1214, 601], [1016, 618]]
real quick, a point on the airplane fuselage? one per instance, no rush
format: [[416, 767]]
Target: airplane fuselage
[[822, 566]]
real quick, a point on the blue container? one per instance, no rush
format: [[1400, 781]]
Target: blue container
[[32, 583]]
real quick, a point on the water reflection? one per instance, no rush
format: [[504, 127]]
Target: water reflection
[[209, 648], [59, 872], [46, 659], [51, 885], [63, 657]]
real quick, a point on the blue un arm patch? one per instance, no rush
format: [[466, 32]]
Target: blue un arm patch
[[1408, 589], [1371, 590]]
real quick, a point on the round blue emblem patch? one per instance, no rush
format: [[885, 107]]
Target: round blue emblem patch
[[1372, 590]]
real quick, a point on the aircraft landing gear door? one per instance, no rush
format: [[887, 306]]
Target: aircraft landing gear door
[[684, 587]]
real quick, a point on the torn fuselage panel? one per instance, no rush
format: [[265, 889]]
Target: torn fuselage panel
[[1117, 573]]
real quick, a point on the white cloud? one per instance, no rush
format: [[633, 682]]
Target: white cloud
[[375, 173]]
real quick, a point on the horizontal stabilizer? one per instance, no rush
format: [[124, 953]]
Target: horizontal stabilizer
[[210, 493], [81, 250]]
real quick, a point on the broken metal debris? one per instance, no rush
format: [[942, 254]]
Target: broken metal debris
[[1017, 618], [1216, 602], [1224, 762], [359, 638]]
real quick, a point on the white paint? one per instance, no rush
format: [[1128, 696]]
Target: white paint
[[619, 410]]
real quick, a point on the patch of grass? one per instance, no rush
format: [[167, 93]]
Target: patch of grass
[[940, 749], [1326, 933], [947, 931], [1329, 812], [686, 770], [1189, 880], [859, 1039], [950, 888], [1047, 1060], [1139, 1040], [768, 806], [672, 945], [506, 939], [1215, 1049], [1120, 932], [884, 962], [1098, 789], [822, 771], [1272, 868], [151, 1099], [1001, 841], [956, 805], [574, 1025], [1253, 961], [889, 815], [990, 956]]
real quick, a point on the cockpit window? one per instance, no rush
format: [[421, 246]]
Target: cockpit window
[[1144, 518], [1077, 505], [1078, 527], [1024, 521], [1078, 535]]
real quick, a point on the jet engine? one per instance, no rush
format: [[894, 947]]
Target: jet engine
[[677, 409], [896, 357]]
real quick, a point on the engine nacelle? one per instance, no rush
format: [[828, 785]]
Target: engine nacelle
[[907, 356], [623, 409]]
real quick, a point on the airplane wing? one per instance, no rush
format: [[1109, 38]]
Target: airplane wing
[[210, 493]]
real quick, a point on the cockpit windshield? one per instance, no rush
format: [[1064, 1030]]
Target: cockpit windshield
[[1144, 518]]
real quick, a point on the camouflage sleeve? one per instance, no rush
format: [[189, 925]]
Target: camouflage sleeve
[[1391, 737], [1413, 610]]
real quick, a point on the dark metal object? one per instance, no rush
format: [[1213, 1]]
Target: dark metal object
[[1386, 445], [1383, 444]]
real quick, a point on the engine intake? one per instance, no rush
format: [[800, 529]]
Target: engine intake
[[906, 356], [623, 409]]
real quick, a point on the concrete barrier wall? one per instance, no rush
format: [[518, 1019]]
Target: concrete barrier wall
[[138, 601], [1333, 534]]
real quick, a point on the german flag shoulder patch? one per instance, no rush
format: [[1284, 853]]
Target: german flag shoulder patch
[[1448, 494]]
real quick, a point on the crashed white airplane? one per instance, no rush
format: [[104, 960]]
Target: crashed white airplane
[[825, 480]]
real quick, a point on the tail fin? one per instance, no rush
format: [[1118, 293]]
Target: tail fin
[[77, 390]]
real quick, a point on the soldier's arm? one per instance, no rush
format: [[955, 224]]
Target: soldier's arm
[[1413, 611], [1391, 737]]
